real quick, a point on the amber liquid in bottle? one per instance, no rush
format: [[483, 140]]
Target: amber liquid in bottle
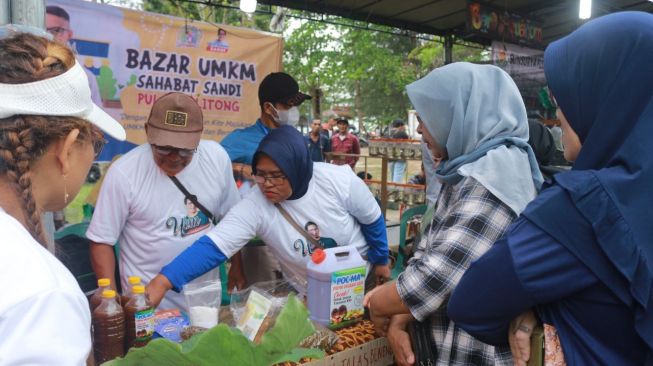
[[108, 329], [139, 319]]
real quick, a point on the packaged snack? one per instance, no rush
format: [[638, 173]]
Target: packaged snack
[[169, 324], [255, 309]]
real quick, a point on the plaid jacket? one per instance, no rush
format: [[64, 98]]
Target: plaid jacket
[[468, 219]]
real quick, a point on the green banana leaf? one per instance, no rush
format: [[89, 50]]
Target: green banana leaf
[[222, 345]]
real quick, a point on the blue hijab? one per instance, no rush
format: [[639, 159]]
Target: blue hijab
[[287, 148], [602, 78]]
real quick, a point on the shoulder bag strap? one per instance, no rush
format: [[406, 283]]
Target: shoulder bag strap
[[193, 199], [294, 224]]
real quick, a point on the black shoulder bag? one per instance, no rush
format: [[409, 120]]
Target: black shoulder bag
[[193, 199], [420, 339]]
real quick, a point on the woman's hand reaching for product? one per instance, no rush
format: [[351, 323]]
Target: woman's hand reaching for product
[[380, 322], [157, 289], [236, 276], [383, 302], [400, 340], [519, 337], [236, 282]]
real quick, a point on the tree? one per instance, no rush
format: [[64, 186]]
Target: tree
[[377, 71], [429, 55], [311, 56]]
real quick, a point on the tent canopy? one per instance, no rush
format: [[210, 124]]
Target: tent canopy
[[448, 17]]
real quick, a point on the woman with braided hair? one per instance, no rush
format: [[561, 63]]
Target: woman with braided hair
[[49, 136]]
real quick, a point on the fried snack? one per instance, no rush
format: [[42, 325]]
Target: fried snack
[[323, 338], [188, 332], [353, 336], [348, 337]]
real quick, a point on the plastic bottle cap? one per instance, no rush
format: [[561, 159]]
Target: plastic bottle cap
[[138, 289], [133, 280], [318, 256], [108, 294], [103, 282]]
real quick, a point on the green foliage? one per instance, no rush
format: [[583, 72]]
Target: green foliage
[[223, 346], [312, 56], [291, 327], [426, 57], [377, 70], [470, 54]]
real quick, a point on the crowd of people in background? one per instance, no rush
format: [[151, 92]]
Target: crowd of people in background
[[508, 243]]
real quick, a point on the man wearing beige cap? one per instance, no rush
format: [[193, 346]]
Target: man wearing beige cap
[[142, 203]]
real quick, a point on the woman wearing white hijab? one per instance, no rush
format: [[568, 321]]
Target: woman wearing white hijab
[[473, 119]]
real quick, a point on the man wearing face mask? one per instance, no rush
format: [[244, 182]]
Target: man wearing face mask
[[279, 98]]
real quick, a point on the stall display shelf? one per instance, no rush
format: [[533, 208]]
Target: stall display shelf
[[396, 149]]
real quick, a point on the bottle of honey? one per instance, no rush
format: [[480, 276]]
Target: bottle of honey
[[127, 292], [96, 298], [139, 319], [108, 329]]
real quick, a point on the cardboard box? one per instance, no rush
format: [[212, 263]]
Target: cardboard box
[[373, 353]]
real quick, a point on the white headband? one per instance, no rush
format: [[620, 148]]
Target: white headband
[[67, 94]]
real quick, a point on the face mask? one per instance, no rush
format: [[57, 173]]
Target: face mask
[[288, 117]]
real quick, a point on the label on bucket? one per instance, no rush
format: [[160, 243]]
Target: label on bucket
[[347, 292]]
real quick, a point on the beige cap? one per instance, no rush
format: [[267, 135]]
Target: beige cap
[[175, 120]]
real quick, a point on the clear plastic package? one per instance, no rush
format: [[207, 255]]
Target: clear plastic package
[[203, 301]]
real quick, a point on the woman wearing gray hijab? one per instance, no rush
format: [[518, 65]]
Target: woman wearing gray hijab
[[473, 119]]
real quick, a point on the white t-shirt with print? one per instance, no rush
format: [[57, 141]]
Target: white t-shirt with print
[[44, 316], [141, 208], [336, 200]]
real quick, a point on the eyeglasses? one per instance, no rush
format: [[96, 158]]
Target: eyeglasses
[[55, 31], [275, 179], [98, 146], [184, 153]]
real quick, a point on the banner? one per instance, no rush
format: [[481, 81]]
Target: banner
[[138, 56], [519, 62], [502, 26]]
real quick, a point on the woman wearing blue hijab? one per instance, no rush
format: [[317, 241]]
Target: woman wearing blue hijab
[[473, 120], [581, 255], [330, 202]]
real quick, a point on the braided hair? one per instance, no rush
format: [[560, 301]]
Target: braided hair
[[27, 58]]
